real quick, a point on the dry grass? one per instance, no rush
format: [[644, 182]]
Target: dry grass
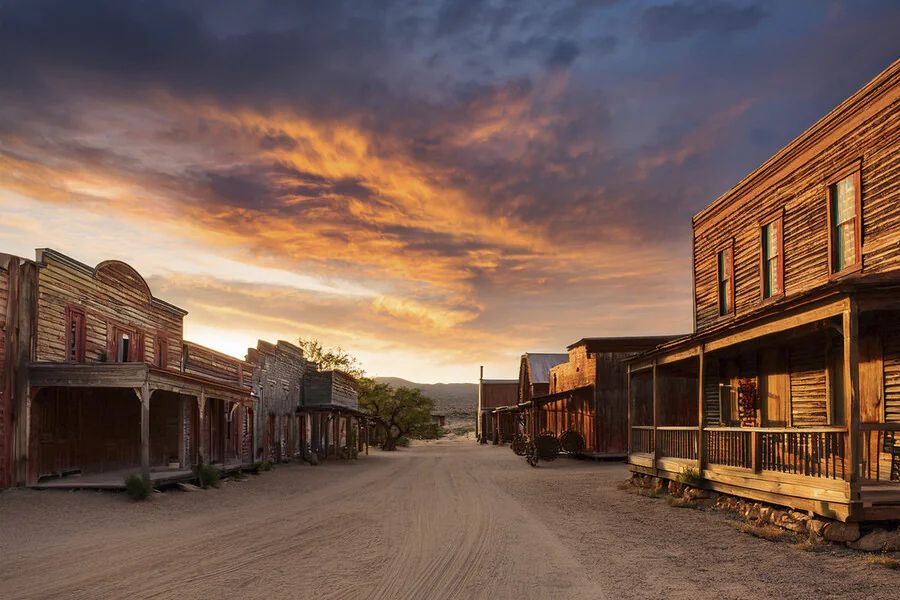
[[806, 545], [626, 486], [681, 502], [766, 532], [885, 561], [648, 493]]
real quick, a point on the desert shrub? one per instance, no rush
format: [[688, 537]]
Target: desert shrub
[[266, 465], [690, 476], [138, 487], [767, 532], [208, 475], [680, 502], [427, 431]]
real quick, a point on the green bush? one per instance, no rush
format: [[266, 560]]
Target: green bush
[[266, 465], [208, 476], [138, 487], [427, 431], [690, 476]]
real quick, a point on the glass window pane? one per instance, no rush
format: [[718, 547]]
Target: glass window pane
[[846, 200], [772, 277], [848, 244]]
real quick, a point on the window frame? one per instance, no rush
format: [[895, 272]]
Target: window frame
[[161, 350], [80, 336], [772, 218], [853, 170], [732, 308]]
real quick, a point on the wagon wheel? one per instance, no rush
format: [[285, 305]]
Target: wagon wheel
[[520, 445], [546, 447], [531, 454], [572, 442]]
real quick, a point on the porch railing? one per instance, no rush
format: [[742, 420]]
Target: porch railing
[[643, 439], [679, 442], [879, 451], [729, 446], [811, 452]]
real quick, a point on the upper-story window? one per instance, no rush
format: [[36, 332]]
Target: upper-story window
[[162, 352], [844, 218], [124, 348], [725, 279], [76, 332], [772, 263]]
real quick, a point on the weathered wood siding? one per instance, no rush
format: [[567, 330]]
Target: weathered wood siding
[[891, 346], [581, 370], [495, 394], [111, 295], [206, 362], [867, 127], [5, 424], [330, 389], [809, 404], [277, 382]]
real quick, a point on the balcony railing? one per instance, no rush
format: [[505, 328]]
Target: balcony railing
[[729, 446], [813, 453]]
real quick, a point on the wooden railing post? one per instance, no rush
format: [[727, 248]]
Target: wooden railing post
[[629, 412], [656, 411], [755, 452], [701, 415], [851, 393]]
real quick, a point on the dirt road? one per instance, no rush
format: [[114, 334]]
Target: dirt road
[[450, 519]]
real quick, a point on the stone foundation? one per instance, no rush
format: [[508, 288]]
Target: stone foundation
[[880, 537]]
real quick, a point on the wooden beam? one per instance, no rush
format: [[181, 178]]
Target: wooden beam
[[656, 413], [143, 394], [630, 400], [781, 324], [701, 407], [851, 392]]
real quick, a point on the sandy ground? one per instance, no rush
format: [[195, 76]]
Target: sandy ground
[[449, 519]]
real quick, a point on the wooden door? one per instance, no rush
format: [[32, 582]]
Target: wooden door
[[775, 387]]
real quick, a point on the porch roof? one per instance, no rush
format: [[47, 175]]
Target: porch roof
[[131, 375], [807, 309], [560, 395]]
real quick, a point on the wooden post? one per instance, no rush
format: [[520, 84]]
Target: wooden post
[[851, 395], [755, 452], [629, 413], [203, 429], [656, 411], [701, 407], [143, 394]]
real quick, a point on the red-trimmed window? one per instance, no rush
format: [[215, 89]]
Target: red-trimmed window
[[772, 259], [162, 352], [76, 333], [845, 222], [725, 280]]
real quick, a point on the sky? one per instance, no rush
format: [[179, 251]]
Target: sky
[[431, 185]]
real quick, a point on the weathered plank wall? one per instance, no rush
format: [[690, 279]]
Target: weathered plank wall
[[112, 295], [868, 128], [494, 395], [332, 389], [891, 346], [206, 362], [278, 372], [809, 404], [5, 399], [579, 371]]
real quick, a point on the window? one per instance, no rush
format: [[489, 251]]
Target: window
[[725, 278], [123, 354], [844, 239], [75, 334], [771, 263], [162, 352]]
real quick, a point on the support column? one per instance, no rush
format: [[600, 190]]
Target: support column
[[143, 394], [701, 407], [851, 396], [656, 418], [629, 412], [203, 429]]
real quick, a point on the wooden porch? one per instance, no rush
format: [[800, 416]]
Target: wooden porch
[[845, 468]]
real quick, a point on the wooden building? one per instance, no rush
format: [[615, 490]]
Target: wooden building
[[439, 419], [97, 378], [280, 431], [331, 405], [493, 394], [788, 391], [587, 394], [534, 374]]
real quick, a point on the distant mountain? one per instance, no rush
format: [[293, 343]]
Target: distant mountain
[[459, 401]]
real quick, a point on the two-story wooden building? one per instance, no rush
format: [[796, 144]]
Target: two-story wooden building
[[98, 380], [331, 411], [789, 389], [588, 395], [278, 382]]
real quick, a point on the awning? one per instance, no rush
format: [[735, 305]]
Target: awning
[[560, 395]]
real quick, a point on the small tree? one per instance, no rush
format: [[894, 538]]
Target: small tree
[[330, 358], [398, 411]]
